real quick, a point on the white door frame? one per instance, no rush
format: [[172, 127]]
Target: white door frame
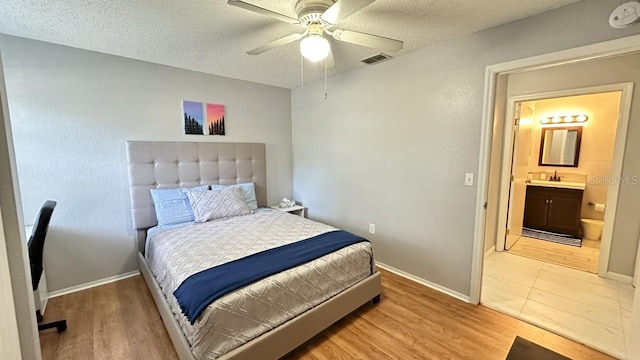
[[636, 274], [624, 113], [608, 48], [10, 345], [511, 190], [13, 238]]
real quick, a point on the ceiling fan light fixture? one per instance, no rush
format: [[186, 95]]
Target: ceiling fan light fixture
[[314, 47]]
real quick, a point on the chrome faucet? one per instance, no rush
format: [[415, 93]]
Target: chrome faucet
[[555, 176]]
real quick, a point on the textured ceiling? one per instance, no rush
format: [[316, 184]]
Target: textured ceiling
[[212, 37]]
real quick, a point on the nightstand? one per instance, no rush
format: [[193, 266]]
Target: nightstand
[[295, 209]]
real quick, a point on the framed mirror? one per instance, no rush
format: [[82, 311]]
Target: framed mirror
[[560, 146]]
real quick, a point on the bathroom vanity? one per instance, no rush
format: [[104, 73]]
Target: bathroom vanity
[[554, 206]]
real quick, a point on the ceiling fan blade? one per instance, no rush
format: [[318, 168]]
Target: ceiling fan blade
[[343, 9], [274, 44], [263, 11], [368, 40]]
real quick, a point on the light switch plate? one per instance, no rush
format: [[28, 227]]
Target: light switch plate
[[468, 179]]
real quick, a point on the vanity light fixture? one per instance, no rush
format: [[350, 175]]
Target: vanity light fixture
[[564, 119]]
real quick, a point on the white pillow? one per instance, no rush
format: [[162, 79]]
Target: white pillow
[[217, 204], [248, 192]]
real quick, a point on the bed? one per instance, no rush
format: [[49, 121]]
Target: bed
[[254, 321]]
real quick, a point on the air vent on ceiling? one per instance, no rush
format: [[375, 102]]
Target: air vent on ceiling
[[376, 59]]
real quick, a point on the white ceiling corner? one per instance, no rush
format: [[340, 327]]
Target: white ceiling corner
[[212, 37]]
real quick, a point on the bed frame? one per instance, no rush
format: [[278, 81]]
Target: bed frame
[[186, 164]]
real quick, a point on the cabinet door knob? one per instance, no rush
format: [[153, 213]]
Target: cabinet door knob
[[550, 201]]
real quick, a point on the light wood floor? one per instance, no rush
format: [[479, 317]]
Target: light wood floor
[[120, 321], [583, 258], [114, 321]]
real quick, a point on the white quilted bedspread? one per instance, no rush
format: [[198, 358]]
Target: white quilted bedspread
[[243, 315]]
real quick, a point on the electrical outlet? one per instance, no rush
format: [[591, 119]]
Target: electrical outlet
[[372, 228], [468, 179]]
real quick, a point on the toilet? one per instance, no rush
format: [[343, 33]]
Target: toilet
[[592, 229]]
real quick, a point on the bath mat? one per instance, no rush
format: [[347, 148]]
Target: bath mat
[[553, 237], [523, 349]]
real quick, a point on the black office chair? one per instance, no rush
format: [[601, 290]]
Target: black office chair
[[36, 248]]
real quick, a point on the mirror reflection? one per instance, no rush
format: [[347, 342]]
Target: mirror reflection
[[560, 146]]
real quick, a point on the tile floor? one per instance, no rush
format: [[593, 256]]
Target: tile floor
[[575, 304]]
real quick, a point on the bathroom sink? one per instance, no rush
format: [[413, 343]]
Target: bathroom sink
[[559, 184]]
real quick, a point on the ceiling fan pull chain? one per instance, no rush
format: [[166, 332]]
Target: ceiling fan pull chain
[[325, 79]]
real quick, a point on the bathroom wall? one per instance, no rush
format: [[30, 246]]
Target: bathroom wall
[[596, 150]]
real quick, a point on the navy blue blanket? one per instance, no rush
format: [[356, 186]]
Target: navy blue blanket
[[201, 289]]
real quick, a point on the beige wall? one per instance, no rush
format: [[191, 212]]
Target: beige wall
[[598, 139], [613, 70]]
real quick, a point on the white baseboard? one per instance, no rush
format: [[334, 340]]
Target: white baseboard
[[625, 279], [489, 252], [424, 282], [91, 284]]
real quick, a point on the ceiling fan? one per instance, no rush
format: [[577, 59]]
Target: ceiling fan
[[318, 17]]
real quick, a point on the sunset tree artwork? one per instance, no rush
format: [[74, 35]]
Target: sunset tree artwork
[[215, 119]]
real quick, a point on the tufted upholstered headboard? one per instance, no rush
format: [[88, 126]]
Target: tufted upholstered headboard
[[164, 165]]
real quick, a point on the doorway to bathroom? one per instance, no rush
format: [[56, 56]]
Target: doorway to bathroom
[[582, 306], [562, 151], [559, 174]]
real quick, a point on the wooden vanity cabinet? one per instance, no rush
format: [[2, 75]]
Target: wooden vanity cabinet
[[553, 209]]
